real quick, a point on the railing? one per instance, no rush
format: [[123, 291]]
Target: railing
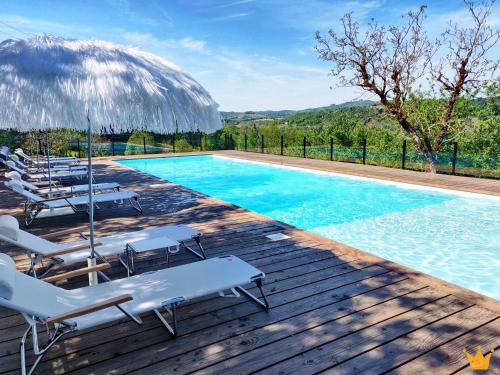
[[449, 160], [133, 144]]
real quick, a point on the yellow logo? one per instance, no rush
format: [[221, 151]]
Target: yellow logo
[[479, 361]]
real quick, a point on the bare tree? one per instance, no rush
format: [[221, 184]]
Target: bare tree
[[390, 62]]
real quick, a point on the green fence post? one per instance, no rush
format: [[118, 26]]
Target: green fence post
[[454, 162], [144, 143], [403, 156], [331, 148], [304, 153], [262, 143], [282, 144], [364, 151]]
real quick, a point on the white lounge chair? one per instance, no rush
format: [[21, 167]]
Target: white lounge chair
[[62, 311], [40, 250], [55, 168], [64, 190], [54, 175], [35, 204], [42, 160]]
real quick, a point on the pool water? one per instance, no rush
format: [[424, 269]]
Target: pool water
[[453, 236]]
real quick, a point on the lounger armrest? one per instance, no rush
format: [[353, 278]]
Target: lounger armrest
[[91, 308], [78, 272], [70, 250]]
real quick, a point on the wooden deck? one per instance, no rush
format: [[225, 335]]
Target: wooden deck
[[334, 309]]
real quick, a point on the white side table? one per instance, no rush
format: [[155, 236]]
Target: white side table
[[171, 247]]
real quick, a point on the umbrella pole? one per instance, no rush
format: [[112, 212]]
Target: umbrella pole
[[48, 160], [38, 149], [91, 261]]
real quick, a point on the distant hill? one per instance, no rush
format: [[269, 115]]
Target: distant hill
[[265, 116]]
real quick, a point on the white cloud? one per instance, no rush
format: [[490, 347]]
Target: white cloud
[[193, 45], [253, 82], [234, 3], [227, 17], [36, 26], [315, 15], [150, 42]]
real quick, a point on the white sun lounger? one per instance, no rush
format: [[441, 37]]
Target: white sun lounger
[[55, 175], [55, 168], [65, 190], [62, 311], [35, 204], [39, 249], [42, 160]]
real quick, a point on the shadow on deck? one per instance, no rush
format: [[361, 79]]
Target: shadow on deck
[[333, 309]]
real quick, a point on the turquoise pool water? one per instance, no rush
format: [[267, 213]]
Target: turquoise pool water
[[455, 237]]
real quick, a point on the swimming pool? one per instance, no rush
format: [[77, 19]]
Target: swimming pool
[[453, 236]]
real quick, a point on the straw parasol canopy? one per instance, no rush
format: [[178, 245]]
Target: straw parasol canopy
[[55, 83], [50, 83]]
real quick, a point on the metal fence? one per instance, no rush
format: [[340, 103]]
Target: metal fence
[[133, 144], [450, 160]]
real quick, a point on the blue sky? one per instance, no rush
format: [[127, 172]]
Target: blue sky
[[249, 54]]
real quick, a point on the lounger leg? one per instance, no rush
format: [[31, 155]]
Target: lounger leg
[[129, 264], [32, 270], [264, 303], [171, 328], [38, 353], [44, 271], [30, 215], [103, 275], [22, 349], [134, 202], [200, 254]]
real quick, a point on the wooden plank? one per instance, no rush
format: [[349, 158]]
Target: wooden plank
[[330, 350], [271, 333], [196, 340], [408, 347], [450, 357]]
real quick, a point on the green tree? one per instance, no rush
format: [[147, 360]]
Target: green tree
[[389, 61]]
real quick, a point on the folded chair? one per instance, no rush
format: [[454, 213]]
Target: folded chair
[[42, 251], [62, 311], [35, 204], [64, 190]]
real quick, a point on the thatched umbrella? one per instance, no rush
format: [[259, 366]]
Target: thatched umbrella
[[55, 83]]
